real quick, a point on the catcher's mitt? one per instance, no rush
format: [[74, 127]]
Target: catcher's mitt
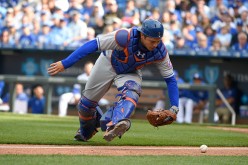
[[160, 117]]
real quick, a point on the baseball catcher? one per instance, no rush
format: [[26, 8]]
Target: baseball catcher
[[124, 53]]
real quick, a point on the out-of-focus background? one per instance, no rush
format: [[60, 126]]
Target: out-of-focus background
[[204, 37]]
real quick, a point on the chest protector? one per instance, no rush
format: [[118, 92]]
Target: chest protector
[[132, 57]]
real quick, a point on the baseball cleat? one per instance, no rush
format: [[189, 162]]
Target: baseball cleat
[[79, 136], [117, 130]]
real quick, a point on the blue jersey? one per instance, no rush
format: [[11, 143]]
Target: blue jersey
[[229, 93], [37, 105]]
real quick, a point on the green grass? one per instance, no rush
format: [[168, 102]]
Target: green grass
[[44, 129], [122, 160]]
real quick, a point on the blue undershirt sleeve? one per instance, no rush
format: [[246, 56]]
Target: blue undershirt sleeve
[[86, 49], [172, 90]]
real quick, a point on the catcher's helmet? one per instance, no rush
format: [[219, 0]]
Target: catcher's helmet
[[152, 28]]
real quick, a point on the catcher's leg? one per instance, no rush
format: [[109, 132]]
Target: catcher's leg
[[120, 123], [88, 118]]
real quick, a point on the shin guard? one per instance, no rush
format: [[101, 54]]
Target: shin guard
[[127, 103], [88, 117]]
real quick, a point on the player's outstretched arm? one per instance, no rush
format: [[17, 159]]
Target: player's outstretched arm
[[55, 68]]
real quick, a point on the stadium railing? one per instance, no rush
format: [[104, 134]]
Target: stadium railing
[[50, 82]]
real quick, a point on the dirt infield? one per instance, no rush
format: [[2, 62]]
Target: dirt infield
[[118, 150]]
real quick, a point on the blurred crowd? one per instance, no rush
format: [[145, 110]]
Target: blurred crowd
[[211, 25]]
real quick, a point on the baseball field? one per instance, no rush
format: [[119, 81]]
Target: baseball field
[[47, 139]]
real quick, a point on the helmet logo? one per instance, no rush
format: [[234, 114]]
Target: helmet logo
[[159, 34]]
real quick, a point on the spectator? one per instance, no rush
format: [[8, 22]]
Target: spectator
[[21, 101], [78, 28], [202, 43], [96, 19], [217, 46], [61, 35], [224, 36], [45, 38], [184, 8], [201, 9], [13, 34], [9, 18], [5, 39], [210, 33], [25, 22], [72, 98], [205, 22], [28, 11], [194, 20], [88, 8], [171, 7], [244, 19], [20, 104], [107, 29], [230, 92], [199, 97], [165, 20], [26, 38], [189, 34], [36, 30], [117, 23], [220, 20], [90, 35], [241, 6], [216, 7], [155, 14], [234, 10], [75, 5], [180, 42], [167, 40], [131, 14], [37, 102], [239, 28], [45, 18], [175, 25], [111, 11], [242, 42]]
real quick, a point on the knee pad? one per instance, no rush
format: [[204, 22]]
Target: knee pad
[[86, 108], [131, 85]]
